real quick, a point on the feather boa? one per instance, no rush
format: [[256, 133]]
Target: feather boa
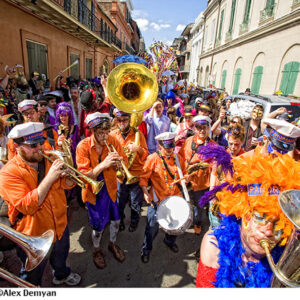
[[219, 155], [282, 171], [232, 271]]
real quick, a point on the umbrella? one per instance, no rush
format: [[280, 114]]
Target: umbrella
[[129, 58], [167, 73]]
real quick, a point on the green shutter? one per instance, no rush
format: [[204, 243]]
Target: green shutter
[[223, 82], [247, 12], [270, 7], [256, 81], [232, 15], [289, 77], [237, 79], [221, 24]]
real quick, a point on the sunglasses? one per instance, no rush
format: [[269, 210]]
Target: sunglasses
[[33, 146], [123, 120], [43, 104]]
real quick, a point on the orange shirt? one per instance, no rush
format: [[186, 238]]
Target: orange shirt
[[153, 170], [87, 158], [200, 179], [12, 151], [18, 188], [138, 163]]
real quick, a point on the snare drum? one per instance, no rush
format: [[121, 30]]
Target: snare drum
[[174, 215]]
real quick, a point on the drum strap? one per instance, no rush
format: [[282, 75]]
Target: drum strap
[[170, 173]]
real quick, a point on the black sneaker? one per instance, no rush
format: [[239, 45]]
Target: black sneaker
[[132, 227], [122, 225]]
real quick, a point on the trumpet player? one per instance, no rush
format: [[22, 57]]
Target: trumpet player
[[98, 162], [162, 169], [34, 191], [29, 112], [130, 192]]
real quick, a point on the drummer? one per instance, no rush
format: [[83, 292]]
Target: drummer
[[161, 169]]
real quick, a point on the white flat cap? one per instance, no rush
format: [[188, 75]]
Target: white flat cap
[[26, 104], [96, 118], [202, 120], [283, 127], [165, 136], [31, 132]]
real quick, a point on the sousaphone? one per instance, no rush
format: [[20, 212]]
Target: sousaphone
[[132, 87]]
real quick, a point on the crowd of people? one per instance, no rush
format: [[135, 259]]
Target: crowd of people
[[186, 139]]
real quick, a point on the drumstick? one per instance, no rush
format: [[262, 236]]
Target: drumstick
[[180, 179], [67, 68]]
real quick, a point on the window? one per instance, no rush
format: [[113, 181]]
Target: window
[[256, 81], [88, 68], [247, 12], [221, 24], [212, 30], [270, 7], [289, 77], [232, 16], [223, 80], [237, 79], [37, 57], [74, 71]]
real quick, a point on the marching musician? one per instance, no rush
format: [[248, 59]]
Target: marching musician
[[29, 111], [34, 191], [130, 192], [161, 168], [95, 160], [201, 180]]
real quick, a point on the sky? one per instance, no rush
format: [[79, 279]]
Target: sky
[[164, 20]]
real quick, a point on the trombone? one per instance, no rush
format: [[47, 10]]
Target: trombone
[[36, 249], [96, 185], [120, 173]]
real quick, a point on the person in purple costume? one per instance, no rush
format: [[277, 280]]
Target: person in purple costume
[[67, 130]]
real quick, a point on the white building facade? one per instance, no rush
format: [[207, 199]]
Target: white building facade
[[251, 43], [197, 33]]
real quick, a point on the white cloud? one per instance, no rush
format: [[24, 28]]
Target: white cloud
[[143, 24], [139, 14], [158, 27], [180, 27]]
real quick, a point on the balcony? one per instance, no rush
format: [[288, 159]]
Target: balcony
[[74, 17], [267, 15], [129, 49], [184, 69]]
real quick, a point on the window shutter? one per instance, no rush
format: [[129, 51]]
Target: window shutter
[[247, 12], [289, 77], [232, 15], [221, 24], [223, 83], [237, 79], [256, 81]]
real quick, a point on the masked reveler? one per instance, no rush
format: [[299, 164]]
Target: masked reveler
[[94, 159], [253, 130], [231, 254], [130, 192]]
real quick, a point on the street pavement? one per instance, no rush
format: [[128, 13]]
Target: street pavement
[[165, 268]]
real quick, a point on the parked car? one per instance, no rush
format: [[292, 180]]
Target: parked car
[[271, 103]]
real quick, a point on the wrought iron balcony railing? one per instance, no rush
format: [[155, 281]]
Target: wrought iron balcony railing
[[80, 12]]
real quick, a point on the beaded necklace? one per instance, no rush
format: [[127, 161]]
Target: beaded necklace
[[170, 186]]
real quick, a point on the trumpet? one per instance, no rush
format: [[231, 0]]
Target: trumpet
[[120, 173], [96, 185]]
